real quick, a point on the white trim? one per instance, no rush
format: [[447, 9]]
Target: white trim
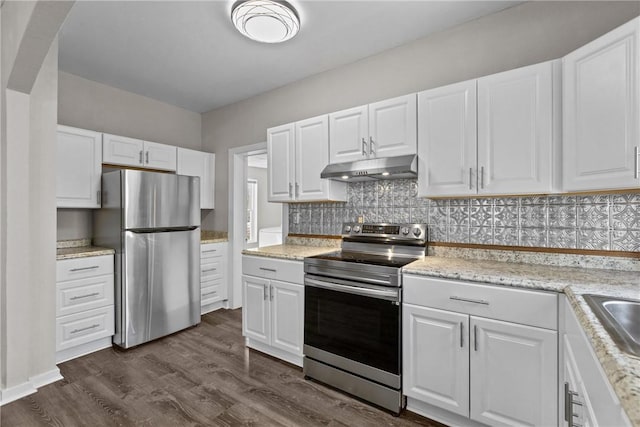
[[294, 359], [46, 378], [83, 349], [17, 392], [237, 223]]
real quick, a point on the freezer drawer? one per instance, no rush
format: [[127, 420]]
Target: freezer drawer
[[160, 286]]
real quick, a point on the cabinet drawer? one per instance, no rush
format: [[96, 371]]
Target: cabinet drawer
[[84, 327], [212, 250], [74, 296], [270, 268], [534, 308], [212, 269], [79, 268], [212, 292]]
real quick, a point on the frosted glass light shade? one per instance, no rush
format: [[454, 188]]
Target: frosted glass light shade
[[266, 21]]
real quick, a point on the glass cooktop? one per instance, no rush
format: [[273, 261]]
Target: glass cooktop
[[371, 259]]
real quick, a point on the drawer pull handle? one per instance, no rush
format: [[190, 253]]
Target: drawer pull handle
[[273, 270], [209, 251], [210, 293], [209, 269], [95, 294], [93, 267], [475, 301], [75, 331]]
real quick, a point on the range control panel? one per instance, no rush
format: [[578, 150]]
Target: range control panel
[[404, 231]]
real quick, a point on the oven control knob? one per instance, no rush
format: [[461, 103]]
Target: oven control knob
[[405, 230], [417, 232], [347, 229], [356, 229]]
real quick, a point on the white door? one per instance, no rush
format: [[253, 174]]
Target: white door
[[447, 140], [287, 316], [121, 150], [78, 168], [312, 155], [349, 135], [436, 357], [393, 127], [255, 309], [514, 374], [280, 161], [582, 412], [515, 130], [601, 112], [200, 164], [159, 156]]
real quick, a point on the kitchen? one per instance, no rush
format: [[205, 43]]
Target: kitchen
[[447, 57]]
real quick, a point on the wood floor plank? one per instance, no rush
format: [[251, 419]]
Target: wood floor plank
[[203, 376]]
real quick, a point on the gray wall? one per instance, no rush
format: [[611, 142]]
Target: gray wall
[[86, 104], [526, 34], [269, 214]]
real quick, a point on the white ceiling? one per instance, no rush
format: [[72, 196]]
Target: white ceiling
[[188, 54]]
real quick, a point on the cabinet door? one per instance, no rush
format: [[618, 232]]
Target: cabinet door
[[280, 160], [516, 116], [159, 156], [120, 150], [393, 127], [601, 112], [514, 374], [436, 357], [447, 140], [580, 410], [200, 164], [349, 135], [312, 155], [78, 168], [255, 309], [287, 316]]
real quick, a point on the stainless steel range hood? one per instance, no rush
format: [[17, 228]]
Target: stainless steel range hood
[[373, 169]]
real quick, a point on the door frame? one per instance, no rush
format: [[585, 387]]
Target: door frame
[[237, 223]]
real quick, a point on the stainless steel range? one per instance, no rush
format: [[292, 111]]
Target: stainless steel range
[[352, 315]]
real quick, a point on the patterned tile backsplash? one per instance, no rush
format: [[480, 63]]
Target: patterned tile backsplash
[[605, 222]]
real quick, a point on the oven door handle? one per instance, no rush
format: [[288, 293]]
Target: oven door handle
[[356, 290]]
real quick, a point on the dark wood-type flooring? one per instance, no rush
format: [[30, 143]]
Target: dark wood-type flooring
[[203, 376]]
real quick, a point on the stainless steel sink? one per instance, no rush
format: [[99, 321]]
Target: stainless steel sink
[[621, 318]]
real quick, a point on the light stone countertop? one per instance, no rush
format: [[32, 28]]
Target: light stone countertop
[[292, 252], [622, 369], [82, 252], [212, 236]]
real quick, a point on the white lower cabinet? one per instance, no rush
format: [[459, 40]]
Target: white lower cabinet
[[213, 276], [588, 400], [462, 367], [273, 309], [84, 306]]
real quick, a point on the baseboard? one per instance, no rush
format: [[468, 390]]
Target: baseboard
[[294, 359], [19, 391], [208, 308], [83, 349], [46, 378]]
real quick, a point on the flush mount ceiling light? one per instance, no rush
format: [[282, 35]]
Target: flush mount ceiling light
[[266, 21]]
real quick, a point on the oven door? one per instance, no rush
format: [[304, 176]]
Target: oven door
[[354, 327]]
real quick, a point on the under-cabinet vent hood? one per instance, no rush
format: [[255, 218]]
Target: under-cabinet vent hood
[[373, 169]]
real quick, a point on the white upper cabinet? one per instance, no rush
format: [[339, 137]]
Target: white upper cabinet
[[159, 156], [121, 150], [447, 140], [349, 135], [202, 165], [281, 162], [518, 130], [382, 129], [601, 109], [499, 134], [393, 127], [78, 168], [296, 155]]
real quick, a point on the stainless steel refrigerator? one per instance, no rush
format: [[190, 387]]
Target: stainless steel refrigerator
[[152, 221]]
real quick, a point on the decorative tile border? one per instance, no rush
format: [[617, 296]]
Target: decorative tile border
[[603, 222]]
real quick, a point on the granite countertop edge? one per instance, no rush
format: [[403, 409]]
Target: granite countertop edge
[[621, 369], [288, 251], [82, 252]]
